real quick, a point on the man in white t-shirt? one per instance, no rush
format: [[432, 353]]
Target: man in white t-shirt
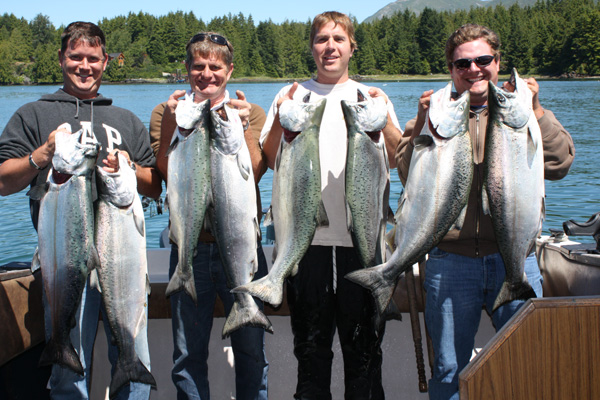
[[318, 305]]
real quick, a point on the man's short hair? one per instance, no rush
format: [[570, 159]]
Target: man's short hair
[[469, 33], [338, 19], [205, 44], [83, 31]]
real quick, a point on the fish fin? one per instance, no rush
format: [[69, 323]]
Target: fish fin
[[381, 245], [390, 216], [322, 219], [93, 260], [391, 312], [534, 139], [63, 355], [173, 237], [543, 215], [516, 291], [178, 282], [348, 217], [206, 224], [274, 253], [373, 279], [166, 202], [245, 169], [460, 221], [240, 317], [126, 372], [257, 230], [387, 161], [390, 238], [278, 157], [422, 141], [401, 202], [268, 217], [148, 286], [138, 217], [263, 288], [94, 281], [140, 223], [173, 145], [38, 191], [485, 201], [35, 262]]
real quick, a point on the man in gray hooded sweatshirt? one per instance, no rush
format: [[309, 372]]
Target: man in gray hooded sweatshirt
[[27, 145]]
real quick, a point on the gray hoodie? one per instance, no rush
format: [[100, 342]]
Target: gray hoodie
[[113, 127]]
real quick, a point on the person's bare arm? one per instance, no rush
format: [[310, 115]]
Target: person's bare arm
[[271, 143], [167, 128], [17, 173]]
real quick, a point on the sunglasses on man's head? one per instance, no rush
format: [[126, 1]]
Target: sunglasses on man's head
[[217, 39], [481, 61]]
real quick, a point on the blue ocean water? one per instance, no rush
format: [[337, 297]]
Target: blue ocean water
[[575, 103]]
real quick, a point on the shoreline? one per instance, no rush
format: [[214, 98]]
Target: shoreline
[[369, 78], [359, 78]]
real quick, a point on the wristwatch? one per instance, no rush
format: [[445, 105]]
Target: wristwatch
[[33, 164]]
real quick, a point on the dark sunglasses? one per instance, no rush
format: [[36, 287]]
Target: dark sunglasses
[[481, 61], [217, 39]]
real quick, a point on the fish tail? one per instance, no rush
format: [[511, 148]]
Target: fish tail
[[179, 282], [381, 288], [515, 291], [240, 317], [63, 355], [265, 289], [129, 372]]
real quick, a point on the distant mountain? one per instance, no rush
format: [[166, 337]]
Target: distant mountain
[[441, 5]]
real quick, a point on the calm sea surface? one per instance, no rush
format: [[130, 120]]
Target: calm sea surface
[[575, 103]]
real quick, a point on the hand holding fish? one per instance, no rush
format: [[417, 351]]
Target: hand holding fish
[[289, 95], [243, 107], [111, 162], [377, 92], [535, 91], [174, 99], [423, 107], [44, 153]]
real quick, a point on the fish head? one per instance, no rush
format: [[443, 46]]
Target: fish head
[[368, 115], [119, 187], [512, 109], [73, 157], [188, 113], [227, 134], [447, 116], [296, 117]]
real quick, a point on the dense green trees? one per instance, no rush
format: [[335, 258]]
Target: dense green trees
[[553, 37]]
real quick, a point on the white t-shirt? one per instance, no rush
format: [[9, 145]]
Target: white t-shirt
[[333, 144]]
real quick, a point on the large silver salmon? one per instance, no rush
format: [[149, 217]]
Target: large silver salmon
[[232, 214], [297, 208], [514, 183], [435, 195], [367, 177], [66, 251], [123, 272], [188, 189]]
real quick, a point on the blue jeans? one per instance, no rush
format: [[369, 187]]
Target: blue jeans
[[457, 288], [66, 384], [192, 325]]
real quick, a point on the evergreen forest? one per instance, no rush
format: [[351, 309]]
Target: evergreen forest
[[551, 38]]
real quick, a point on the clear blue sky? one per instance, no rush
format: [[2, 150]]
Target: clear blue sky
[[63, 12]]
